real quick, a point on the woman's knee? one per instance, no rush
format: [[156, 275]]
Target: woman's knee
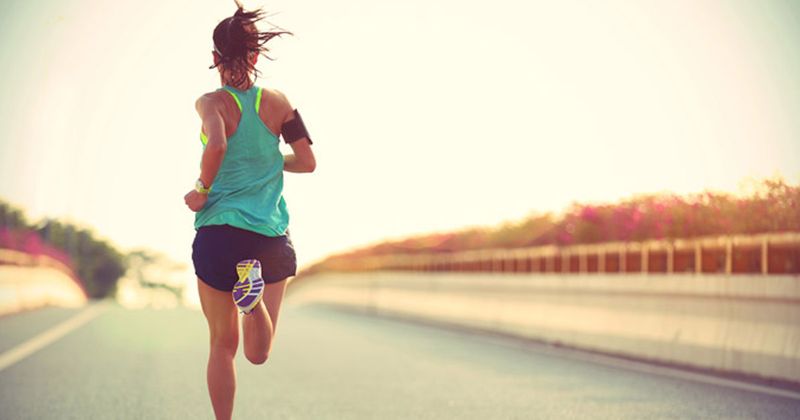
[[225, 342], [257, 357]]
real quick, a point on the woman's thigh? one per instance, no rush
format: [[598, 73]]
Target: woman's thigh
[[221, 313]]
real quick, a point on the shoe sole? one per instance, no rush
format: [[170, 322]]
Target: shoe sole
[[249, 289]]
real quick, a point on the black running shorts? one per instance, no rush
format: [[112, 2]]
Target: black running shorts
[[217, 249]]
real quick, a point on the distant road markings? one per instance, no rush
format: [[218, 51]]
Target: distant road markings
[[44, 339]]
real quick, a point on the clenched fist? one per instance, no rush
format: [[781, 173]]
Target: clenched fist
[[195, 200]]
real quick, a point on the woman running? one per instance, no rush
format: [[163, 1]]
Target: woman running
[[242, 252]]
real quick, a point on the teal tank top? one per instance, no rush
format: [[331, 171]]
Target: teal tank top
[[248, 190]]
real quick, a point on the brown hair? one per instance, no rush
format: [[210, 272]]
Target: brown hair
[[236, 38]]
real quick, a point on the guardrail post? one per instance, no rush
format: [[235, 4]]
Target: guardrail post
[[765, 256], [565, 261], [728, 255], [550, 263], [601, 260], [583, 262], [645, 255], [698, 258], [670, 258], [623, 258]]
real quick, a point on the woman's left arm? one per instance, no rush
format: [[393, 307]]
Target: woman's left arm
[[217, 145]]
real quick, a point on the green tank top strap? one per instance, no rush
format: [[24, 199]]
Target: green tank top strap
[[258, 99], [204, 138], [235, 94], [235, 98]]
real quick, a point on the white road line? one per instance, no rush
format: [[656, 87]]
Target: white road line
[[677, 373], [647, 368], [605, 360], [44, 339]]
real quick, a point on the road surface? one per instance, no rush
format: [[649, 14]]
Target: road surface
[[333, 364]]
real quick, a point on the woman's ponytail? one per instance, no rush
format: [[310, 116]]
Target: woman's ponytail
[[236, 38]]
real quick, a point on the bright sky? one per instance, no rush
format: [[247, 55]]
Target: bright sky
[[426, 115]]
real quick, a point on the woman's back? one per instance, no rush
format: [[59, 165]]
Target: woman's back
[[247, 192], [273, 110]]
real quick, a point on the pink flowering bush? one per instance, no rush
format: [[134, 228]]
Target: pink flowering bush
[[773, 207]]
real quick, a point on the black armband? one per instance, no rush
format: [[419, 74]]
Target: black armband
[[295, 130]]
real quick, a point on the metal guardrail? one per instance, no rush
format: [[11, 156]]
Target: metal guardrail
[[774, 253]]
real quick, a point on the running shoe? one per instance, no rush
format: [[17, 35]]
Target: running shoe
[[248, 290]]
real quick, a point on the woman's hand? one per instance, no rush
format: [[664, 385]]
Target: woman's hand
[[195, 200]]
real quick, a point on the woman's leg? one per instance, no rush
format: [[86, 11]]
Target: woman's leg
[[259, 325], [223, 326]]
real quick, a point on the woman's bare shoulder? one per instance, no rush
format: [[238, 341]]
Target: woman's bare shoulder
[[276, 94], [210, 99], [278, 101]]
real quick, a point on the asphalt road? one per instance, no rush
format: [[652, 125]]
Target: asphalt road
[[332, 364]]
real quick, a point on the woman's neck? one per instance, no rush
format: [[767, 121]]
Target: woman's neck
[[242, 86]]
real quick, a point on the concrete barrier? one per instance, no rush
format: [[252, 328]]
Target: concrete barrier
[[745, 324], [29, 282]]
